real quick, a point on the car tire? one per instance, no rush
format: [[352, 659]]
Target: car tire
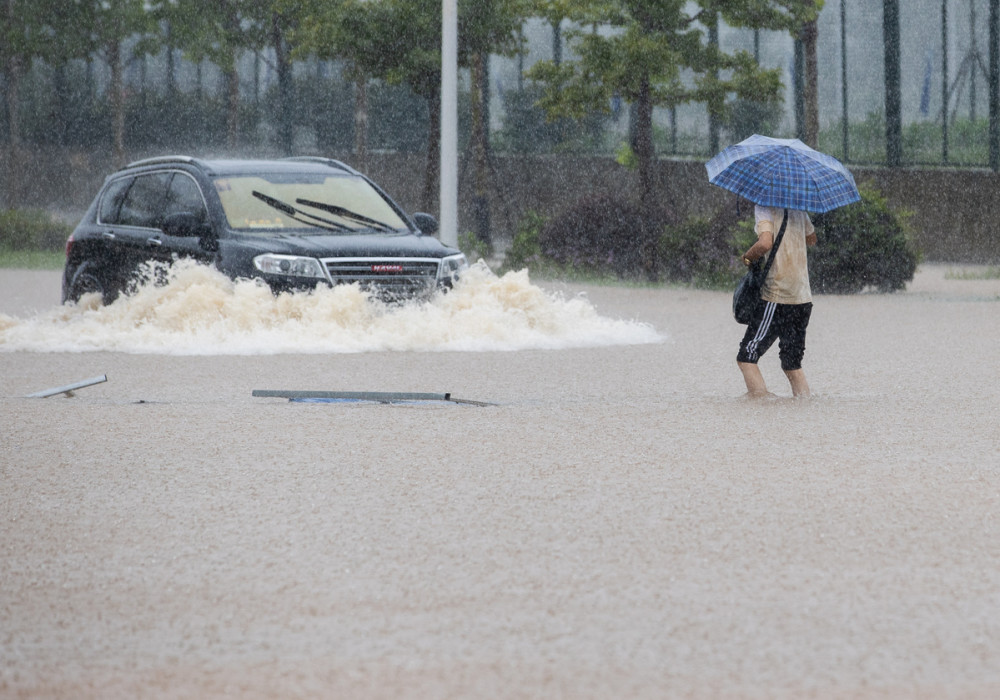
[[87, 282]]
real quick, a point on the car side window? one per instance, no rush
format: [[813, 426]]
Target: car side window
[[111, 203], [184, 196], [143, 204]]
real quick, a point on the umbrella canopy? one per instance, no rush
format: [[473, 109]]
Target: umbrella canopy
[[783, 173]]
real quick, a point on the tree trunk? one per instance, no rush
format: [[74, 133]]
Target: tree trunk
[[114, 56], [557, 43], [286, 126], [432, 174], [232, 27], [13, 76], [810, 87], [481, 202], [713, 120], [12, 73], [61, 112], [13, 177], [361, 123], [233, 107], [171, 65], [644, 142]]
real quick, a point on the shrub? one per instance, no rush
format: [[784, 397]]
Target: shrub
[[32, 229], [863, 245], [705, 252], [525, 250], [528, 129], [747, 117], [689, 255], [475, 249], [602, 233]]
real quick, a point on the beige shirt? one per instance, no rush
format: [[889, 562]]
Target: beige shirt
[[788, 279]]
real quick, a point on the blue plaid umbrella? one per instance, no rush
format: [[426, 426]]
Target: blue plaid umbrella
[[783, 173]]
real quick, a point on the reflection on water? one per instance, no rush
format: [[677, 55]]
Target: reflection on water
[[199, 311]]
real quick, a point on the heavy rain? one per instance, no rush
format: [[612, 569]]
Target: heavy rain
[[610, 514]]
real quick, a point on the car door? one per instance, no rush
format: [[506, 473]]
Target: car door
[[184, 197], [136, 228], [126, 223]]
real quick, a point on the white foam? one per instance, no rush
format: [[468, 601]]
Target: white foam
[[199, 311]]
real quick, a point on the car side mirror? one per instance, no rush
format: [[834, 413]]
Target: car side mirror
[[427, 224], [184, 223]]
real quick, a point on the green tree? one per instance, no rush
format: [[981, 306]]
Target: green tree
[[808, 11], [485, 28], [280, 20], [348, 30], [219, 32], [647, 55], [21, 40], [399, 41], [108, 29]]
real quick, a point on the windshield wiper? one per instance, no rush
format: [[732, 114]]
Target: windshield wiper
[[347, 214], [297, 214]]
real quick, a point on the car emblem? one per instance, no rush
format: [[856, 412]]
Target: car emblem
[[387, 268]]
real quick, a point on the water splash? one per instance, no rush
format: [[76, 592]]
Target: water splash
[[199, 311]]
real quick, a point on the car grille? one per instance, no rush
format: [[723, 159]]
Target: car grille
[[388, 277]]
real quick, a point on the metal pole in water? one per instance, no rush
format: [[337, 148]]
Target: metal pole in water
[[68, 389]]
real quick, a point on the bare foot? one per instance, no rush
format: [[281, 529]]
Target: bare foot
[[754, 395]]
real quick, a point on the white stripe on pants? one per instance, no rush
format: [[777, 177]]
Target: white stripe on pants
[[762, 329]]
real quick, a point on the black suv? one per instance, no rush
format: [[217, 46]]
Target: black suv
[[294, 223]]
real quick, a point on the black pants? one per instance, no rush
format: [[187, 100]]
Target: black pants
[[783, 322]]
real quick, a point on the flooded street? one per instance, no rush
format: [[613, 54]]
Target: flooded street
[[621, 523]]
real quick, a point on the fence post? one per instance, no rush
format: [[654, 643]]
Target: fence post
[[994, 85], [843, 78], [944, 82], [798, 88], [893, 107], [713, 121]]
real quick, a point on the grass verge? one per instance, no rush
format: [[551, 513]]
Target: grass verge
[[32, 259], [986, 273]]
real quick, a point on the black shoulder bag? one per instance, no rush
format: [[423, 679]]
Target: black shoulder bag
[[747, 294]]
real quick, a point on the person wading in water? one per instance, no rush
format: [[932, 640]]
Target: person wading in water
[[786, 300]]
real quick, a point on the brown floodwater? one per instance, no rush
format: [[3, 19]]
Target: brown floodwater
[[620, 523]]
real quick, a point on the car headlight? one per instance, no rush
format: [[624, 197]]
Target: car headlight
[[290, 265], [451, 266]]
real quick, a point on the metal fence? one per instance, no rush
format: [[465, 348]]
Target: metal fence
[[911, 83], [901, 83]]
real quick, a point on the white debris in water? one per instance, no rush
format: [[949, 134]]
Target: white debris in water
[[200, 311]]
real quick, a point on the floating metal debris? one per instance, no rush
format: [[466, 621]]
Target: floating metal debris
[[68, 389], [374, 396]]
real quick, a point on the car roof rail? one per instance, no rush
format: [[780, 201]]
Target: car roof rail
[[333, 163], [158, 160]]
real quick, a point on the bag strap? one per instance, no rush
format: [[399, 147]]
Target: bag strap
[[774, 251]]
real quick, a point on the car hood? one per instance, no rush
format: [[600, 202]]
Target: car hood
[[353, 245]]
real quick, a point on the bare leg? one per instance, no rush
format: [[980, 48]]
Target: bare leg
[[797, 378], [756, 387]]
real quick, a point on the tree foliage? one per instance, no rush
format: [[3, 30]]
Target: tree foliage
[[21, 39], [101, 28], [399, 42], [656, 54], [219, 32]]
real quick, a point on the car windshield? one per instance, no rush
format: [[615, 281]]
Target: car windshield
[[305, 202]]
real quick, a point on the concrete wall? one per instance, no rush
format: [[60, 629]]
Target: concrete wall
[[955, 212]]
